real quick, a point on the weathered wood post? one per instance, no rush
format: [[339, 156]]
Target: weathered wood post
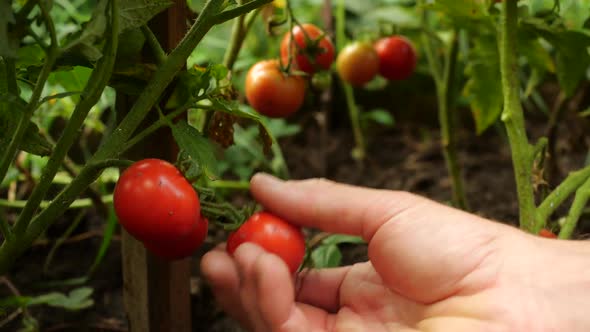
[[157, 293]]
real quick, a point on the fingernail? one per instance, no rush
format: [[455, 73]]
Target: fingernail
[[266, 179]]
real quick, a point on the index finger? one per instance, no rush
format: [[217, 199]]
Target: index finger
[[331, 206]]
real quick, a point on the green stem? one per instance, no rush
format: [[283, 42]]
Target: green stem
[[576, 210], [513, 116], [238, 11], [154, 44], [236, 41], [5, 229], [92, 92], [359, 151], [11, 250], [152, 128], [554, 200], [10, 151], [444, 80], [62, 239], [77, 204], [228, 184]]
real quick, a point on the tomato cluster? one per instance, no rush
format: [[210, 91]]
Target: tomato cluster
[[393, 57], [277, 88], [156, 204]]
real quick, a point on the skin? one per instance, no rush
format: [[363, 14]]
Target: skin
[[432, 268]]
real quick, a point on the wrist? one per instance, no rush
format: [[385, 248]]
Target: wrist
[[564, 284]]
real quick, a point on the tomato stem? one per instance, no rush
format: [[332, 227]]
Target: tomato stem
[[359, 152], [577, 208], [513, 116], [154, 44], [554, 200]]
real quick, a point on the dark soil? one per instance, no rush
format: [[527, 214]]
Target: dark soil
[[406, 157]]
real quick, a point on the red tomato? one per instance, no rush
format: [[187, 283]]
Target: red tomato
[[397, 57], [547, 233], [274, 235], [155, 203], [272, 92], [357, 63], [318, 47], [182, 247]]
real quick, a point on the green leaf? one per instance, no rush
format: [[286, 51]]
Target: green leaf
[[8, 45], [71, 79], [79, 298], [326, 256], [135, 13], [463, 12], [11, 111], [575, 13], [196, 83], [379, 116], [198, 149], [30, 55], [573, 57], [340, 238], [483, 89]]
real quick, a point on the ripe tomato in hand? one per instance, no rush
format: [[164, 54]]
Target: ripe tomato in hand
[[181, 247], [155, 203], [273, 234], [272, 92], [357, 63], [397, 57], [319, 48]]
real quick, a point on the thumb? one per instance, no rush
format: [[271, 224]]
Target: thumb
[[423, 250]]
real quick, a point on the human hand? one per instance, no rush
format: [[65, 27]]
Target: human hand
[[432, 268]]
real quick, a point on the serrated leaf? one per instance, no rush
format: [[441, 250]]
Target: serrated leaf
[[30, 55], [199, 150], [397, 15], [483, 89], [8, 45], [11, 111], [572, 58], [326, 256]]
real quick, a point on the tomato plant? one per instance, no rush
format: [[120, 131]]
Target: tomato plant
[[273, 234], [357, 63], [397, 57], [272, 92], [155, 203], [308, 47]]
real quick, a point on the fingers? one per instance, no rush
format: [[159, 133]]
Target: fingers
[[256, 288], [332, 207], [321, 288]]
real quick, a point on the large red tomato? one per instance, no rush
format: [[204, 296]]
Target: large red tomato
[[181, 247], [272, 92], [317, 46], [357, 63], [155, 203], [273, 234], [397, 57]]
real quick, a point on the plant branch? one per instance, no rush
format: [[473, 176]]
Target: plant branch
[[92, 92], [559, 195], [227, 15], [154, 44], [236, 41], [52, 54], [77, 204], [576, 210], [513, 116]]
